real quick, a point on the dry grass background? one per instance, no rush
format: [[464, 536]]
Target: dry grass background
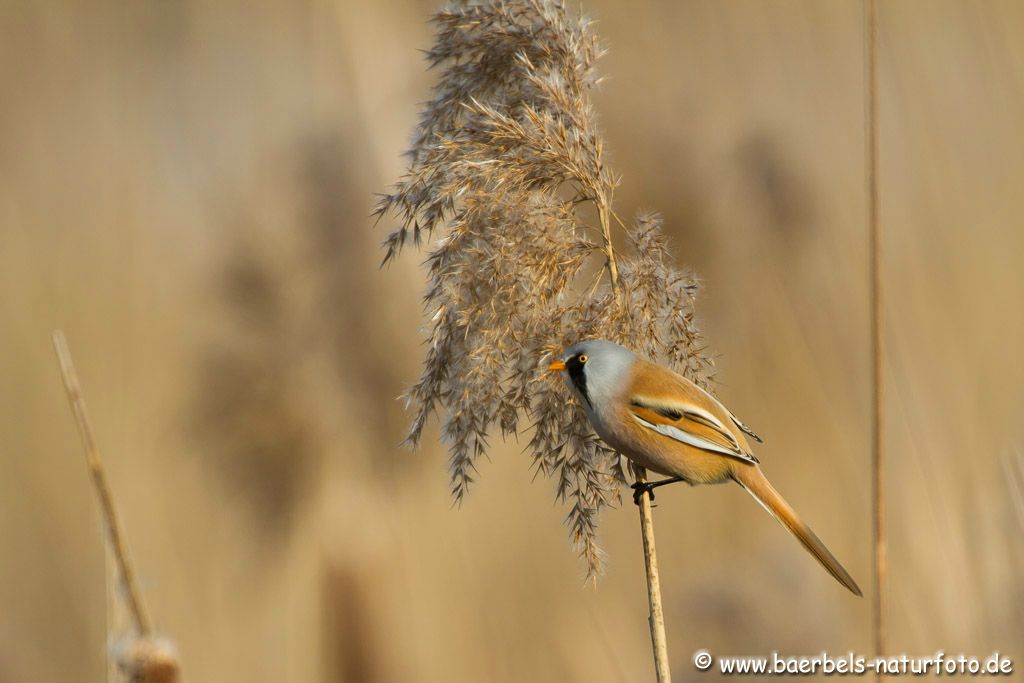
[[186, 189]]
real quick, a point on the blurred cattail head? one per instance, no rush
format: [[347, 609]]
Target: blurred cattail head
[[506, 168]]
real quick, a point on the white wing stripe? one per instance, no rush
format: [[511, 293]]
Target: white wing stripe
[[678, 408], [691, 439], [707, 416]]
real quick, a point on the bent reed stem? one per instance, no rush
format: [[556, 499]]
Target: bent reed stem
[[656, 618], [99, 479]]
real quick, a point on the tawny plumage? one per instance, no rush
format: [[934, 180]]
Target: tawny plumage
[[667, 424]]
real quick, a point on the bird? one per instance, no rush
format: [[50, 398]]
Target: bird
[[665, 423]]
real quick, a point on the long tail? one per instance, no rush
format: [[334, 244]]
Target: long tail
[[757, 485]]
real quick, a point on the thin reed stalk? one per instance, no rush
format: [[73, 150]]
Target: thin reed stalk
[[878, 455], [111, 521], [142, 658], [656, 618]]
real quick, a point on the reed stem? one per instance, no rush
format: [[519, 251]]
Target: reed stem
[[99, 480], [878, 455], [656, 618]]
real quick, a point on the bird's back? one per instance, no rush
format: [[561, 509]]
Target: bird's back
[[655, 397]]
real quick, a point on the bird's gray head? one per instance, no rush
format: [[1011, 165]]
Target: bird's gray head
[[595, 370]]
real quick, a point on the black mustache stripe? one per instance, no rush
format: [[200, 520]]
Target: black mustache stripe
[[579, 379]]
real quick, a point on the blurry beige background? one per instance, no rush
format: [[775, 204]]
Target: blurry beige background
[[185, 189]]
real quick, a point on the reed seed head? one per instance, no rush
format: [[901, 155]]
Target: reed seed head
[[505, 159]]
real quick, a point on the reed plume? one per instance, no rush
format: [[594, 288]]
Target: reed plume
[[507, 172]]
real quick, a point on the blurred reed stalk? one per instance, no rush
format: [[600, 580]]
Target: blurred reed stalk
[[508, 162], [143, 658], [878, 460], [1013, 471]]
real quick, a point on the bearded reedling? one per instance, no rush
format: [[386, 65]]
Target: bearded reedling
[[664, 422]]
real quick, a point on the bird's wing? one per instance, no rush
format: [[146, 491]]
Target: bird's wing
[[683, 420]]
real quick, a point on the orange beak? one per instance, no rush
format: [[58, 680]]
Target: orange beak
[[557, 365]]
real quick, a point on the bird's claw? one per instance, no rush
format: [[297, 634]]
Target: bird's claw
[[640, 488]]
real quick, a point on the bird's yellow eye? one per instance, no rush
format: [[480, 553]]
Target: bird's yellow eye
[[583, 358]]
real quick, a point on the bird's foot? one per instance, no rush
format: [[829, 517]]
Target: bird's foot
[[640, 488]]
